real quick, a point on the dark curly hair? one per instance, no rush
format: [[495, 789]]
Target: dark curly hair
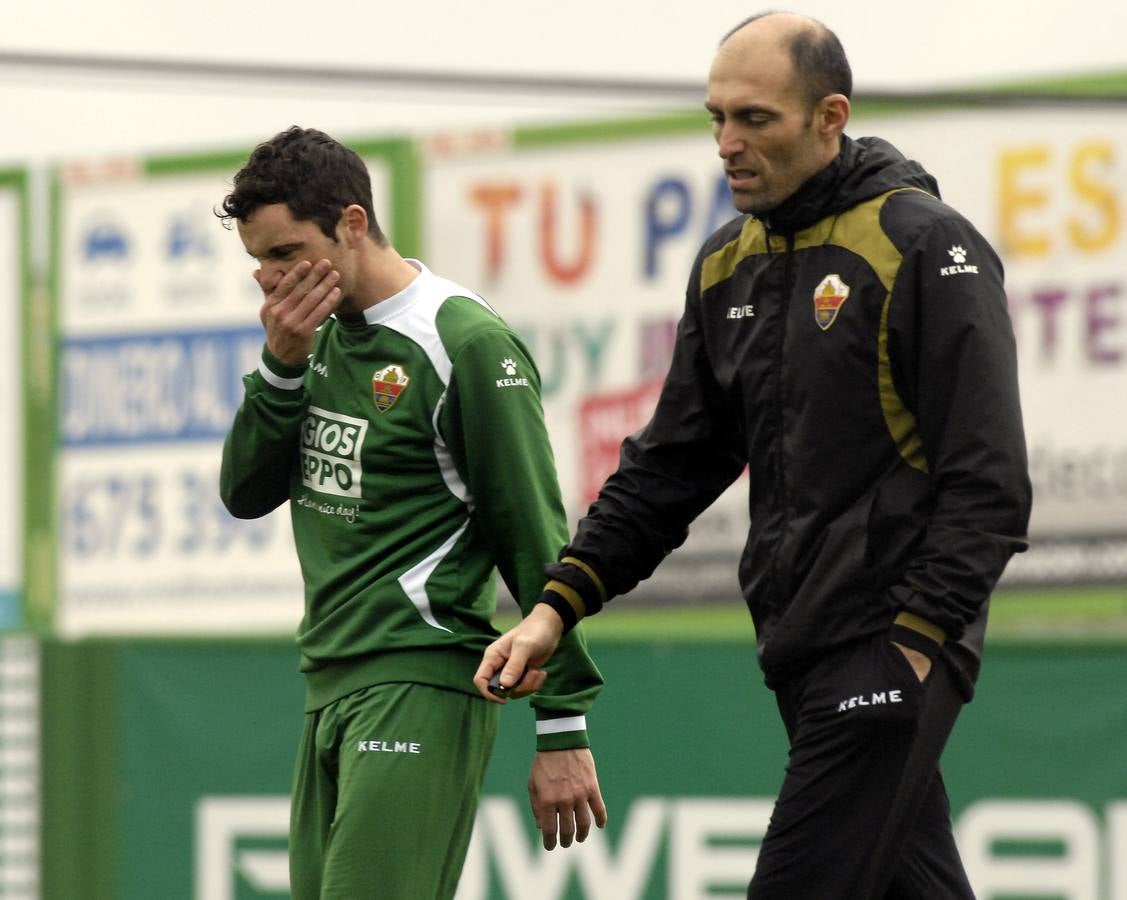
[[314, 175]]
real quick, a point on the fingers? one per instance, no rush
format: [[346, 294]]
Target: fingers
[[564, 791], [599, 808], [296, 305], [491, 661], [577, 825], [305, 288], [532, 681], [284, 287], [519, 653], [547, 819], [590, 810], [551, 816], [566, 818], [566, 823], [501, 656], [515, 669]]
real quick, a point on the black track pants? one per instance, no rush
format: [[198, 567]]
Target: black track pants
[[863, 813]]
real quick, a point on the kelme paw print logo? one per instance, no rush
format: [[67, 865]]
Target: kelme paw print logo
[[509, 365], [958, 254]]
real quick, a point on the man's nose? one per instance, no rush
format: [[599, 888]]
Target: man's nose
[[728, 141], [268, 277]]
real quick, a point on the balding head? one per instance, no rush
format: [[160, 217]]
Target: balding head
[[817, 58], [775, 122]]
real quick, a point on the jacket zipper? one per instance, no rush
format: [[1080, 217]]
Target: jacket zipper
[[780, 468]]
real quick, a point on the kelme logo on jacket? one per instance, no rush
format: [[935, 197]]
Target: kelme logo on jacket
[[387, 385], [958, 254], [510, 366], [828, 299], [330, 452]]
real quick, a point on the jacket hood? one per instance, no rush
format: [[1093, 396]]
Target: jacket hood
[[862, 169]]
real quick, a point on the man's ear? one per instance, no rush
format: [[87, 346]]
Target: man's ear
[[833, 114], [355, 222]]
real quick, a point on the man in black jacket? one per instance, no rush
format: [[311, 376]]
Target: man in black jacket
[[847, 339]]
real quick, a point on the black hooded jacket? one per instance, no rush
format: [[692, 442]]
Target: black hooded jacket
[[854, 350]]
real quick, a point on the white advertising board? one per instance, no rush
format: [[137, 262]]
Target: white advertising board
[[584, 248], [13, 249], [584, 244], [1049, 190], [158, 319]]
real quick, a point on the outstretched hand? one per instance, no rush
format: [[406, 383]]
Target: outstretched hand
[[521, 651]]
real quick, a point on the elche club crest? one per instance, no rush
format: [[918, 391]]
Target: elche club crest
[[829, 296], [387, 385]]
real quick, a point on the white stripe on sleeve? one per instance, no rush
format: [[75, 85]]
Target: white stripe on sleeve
[[555, 726], [287, 384]]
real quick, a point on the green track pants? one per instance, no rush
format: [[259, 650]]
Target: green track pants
[[385, 793]]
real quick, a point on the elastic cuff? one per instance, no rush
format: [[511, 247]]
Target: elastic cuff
[[563, 740], [280, 374], [563, 733], [563, 608], [582, 580], [918, 633], [590, 573], [563, 723], [570, 595]]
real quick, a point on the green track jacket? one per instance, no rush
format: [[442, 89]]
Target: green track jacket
[[413, 452]]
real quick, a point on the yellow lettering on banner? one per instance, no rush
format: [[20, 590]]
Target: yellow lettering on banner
[[1025, 204], [1091, 160], [1015, 200]]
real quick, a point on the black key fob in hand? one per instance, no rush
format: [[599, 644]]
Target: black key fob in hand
[[495, 685]]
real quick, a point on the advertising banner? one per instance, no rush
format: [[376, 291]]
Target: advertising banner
[[20, 797], [158, 319], [583, 239], [176, 786], [1048, 188], [13, 298]]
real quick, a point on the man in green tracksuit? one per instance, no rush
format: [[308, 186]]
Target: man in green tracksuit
[[401, 418]]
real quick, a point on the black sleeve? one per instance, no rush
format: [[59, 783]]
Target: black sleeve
[[668, 472], [954, 362]]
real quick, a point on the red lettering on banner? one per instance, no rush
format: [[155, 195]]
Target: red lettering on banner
[[495, 200], [604, 420], [567, 273]]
